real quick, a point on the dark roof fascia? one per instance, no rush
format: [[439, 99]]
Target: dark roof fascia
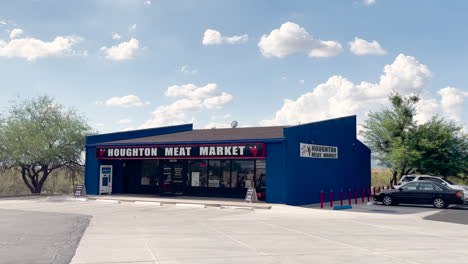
[[96, 139], [267, 140]]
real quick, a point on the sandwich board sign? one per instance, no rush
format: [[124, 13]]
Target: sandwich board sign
[[251, 195], [78, 190]]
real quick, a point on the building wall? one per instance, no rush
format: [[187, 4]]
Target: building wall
[[92, 163], [306, 177], [274, 173]]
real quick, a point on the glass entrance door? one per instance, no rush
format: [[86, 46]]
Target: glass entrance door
[[173, 177]]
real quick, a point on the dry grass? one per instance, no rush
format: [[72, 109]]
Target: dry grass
[[58, 182]]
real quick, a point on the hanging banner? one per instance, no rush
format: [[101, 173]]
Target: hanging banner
[[206, 151], [318, 151]]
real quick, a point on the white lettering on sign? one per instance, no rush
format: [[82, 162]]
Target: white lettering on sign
[[318, 151], [132, 152]]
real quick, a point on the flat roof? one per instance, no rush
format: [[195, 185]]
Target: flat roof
[[215, 134]]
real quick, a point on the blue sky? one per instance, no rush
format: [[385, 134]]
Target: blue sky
[[128, 64]]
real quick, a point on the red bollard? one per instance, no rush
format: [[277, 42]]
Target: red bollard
[[331, 198], [368, 194], [355, 195], [379, 188], [321, 199], [341, 197], [374, 191], [362, 195], [349, 196]]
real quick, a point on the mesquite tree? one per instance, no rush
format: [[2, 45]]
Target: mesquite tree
[[39, 136]]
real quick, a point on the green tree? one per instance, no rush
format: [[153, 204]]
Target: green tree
[[39, 136], [437, 147], [390, 135], [443, 148]]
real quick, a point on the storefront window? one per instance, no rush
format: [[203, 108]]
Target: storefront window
[[214, 173], [243, 172], [226, 173], [260, 175], [148, 172], [198, 173]]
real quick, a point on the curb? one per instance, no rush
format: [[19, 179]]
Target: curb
[[147, 203], [236, 207], [191, 205], [77, 199], [107, 201]]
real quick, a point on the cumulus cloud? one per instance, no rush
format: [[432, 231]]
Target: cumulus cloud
[[3, 22], [125, 101], [124, 121], [123, 51], [147, 2], [214, 37], [188, 69], [452, 102], [31, 48], [369, 2], [16, 33], [363, 47], [116, 36], [339, 96], [195, 99], [291, 38], [217, 125], [132, 28], [193, 91]]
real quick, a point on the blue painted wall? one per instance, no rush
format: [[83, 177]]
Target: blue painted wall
[[275, 173], [306, 177]]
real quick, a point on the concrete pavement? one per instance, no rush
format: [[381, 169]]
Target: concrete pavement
[[131, 233]]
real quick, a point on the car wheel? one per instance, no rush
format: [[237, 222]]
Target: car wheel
[[387, 200], [439, 203]]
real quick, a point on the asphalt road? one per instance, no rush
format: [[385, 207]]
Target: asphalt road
[[454, 214], [39, 237]]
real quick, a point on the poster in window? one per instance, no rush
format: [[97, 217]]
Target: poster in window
[[196, 179]]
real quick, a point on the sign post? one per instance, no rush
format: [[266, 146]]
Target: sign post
[[251, 195]]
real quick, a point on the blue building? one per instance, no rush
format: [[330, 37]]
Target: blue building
[[286, 164]]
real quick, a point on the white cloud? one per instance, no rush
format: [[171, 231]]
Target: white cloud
[[123, 51], [124, 121], [116, 36], [193, 91], [214, 37], [188, 69], [98, 124], [217, 125], [147, 2], [226, 116], [363, 47], [125, 101], [132, 28], [301, 81], [452, 103], [196, 99], [218, 102], [3, 22], [16, 33], [369, 2], [291, 38], [31, 48], [340, 97]]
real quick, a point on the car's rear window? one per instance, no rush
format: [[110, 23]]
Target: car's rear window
[[407, 179]]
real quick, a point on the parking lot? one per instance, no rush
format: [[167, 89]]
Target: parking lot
[[145, 233]]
